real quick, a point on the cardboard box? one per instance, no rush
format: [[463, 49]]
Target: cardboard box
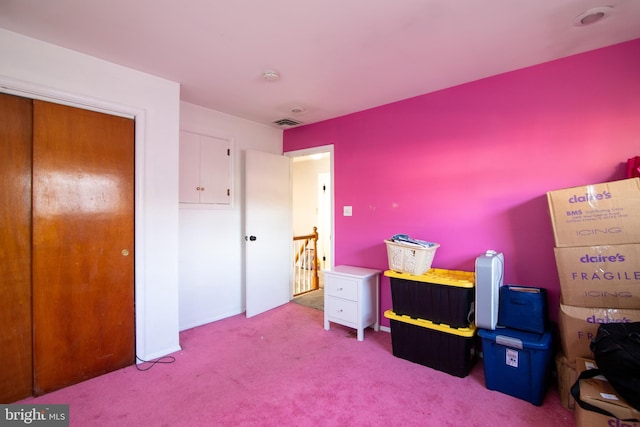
[[567, 376], [598, 214], [579, 325], [598, 392], [600, 276]]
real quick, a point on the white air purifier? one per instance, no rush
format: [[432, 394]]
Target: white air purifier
[[489, 279]]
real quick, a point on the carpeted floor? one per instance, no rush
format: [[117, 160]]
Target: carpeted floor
[[281, 368], [313, 299]]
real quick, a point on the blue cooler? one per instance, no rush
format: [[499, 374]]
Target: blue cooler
[[517, 362], [523, 307]]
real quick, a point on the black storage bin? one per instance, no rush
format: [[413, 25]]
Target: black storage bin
[[450, 350], [441, 296]]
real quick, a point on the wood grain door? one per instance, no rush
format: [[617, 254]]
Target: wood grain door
[[83, 245], [16, 373]]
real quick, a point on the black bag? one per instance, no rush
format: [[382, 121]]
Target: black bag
[[616, 349]]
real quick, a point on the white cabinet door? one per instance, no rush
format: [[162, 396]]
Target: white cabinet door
[[189, 185], [205, 169], [214, 171]]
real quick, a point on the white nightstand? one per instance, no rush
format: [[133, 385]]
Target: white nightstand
[[351, 297]]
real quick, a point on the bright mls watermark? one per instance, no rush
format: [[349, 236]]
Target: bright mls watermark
[[34, 415]]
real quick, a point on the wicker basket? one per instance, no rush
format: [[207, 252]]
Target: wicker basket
[[408, 258]]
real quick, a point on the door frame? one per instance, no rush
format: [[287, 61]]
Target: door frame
[[317, 150], [34, 91]]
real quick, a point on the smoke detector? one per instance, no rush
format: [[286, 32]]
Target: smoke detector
[[592, 16]]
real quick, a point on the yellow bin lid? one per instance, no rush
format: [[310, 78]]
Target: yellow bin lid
[[462, 279], [468, 332]]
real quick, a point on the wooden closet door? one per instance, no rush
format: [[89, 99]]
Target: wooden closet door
[[83, 277], [16, 373]]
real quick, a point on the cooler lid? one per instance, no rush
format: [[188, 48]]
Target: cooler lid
[[515, 338]]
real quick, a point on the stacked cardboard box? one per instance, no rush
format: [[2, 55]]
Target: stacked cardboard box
[[597, 250]]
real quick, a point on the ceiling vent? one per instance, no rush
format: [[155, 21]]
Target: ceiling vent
[[287, 122]]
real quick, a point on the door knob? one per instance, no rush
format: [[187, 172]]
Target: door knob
[[252, 238]]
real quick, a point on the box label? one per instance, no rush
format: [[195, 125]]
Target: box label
[[512, 357]]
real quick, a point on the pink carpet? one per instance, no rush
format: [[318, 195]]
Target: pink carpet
[[281, 368]]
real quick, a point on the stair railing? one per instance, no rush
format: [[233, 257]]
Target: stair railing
[[305, 264]]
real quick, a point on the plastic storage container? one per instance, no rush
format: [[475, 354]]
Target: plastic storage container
[[445, 349], [409, 258], [441, 296], [523, 307], [517, 362]]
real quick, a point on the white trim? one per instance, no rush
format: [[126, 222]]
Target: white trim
[[33, 91], [153, 356], [207, 320], [42, 93]]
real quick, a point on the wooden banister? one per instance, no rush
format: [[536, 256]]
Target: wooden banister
[[301, 263]]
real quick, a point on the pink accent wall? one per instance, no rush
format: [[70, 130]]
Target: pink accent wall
[[469, 167]]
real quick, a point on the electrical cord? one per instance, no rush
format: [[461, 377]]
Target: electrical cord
[[164, 360]]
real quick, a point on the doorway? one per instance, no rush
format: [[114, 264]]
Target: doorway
[[312, 206]]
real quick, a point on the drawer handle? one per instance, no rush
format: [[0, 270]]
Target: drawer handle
[[339, 289]]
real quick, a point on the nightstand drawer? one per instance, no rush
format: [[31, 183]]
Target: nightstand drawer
[[342, 288], [341, 309]]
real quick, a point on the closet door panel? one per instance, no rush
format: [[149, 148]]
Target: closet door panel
[[16, 374], [83, 247]]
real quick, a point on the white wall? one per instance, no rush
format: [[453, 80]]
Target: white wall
[[305, 193], [29, 65], [211, 240]]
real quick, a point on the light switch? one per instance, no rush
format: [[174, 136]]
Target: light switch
[[347, 211]]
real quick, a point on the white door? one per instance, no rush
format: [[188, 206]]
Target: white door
[[268, 231]]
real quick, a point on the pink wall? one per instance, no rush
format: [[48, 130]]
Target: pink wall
[[469, 167]]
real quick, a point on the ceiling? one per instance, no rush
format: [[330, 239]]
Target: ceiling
[[333, 57]]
